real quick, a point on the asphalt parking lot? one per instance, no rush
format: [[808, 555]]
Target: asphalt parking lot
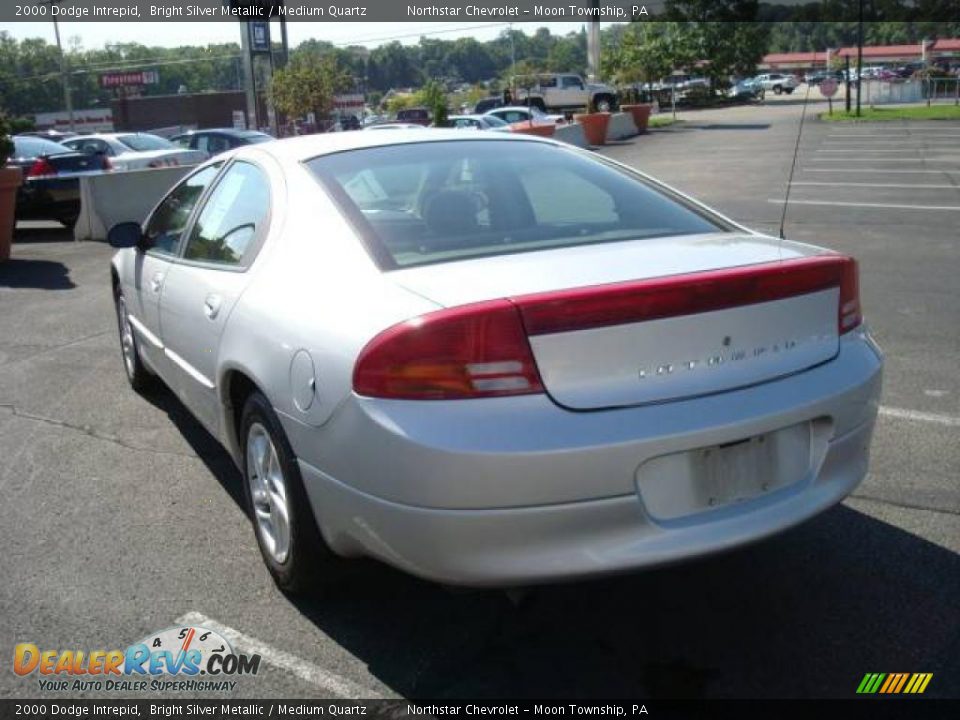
[[122, 515]]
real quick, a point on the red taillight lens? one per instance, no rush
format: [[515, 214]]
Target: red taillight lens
[[471, 351], [107, 165], [688, 294], [41, 166], [850, 315]]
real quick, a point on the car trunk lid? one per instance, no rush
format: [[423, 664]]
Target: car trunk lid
[[657, 320]]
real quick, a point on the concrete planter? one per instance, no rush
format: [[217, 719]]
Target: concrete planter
[[641, 115], [10, 180], [540, 130], [594, 126]]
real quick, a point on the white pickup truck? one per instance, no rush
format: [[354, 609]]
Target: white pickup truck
[[563, 91]]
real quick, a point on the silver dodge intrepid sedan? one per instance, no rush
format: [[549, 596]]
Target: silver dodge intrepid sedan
[[494, 360]]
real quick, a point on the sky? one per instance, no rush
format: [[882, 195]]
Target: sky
[[94, 35]]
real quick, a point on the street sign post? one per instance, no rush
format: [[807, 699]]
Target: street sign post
[[828, 88]]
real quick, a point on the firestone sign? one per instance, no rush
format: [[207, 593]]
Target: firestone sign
[[125, 79]]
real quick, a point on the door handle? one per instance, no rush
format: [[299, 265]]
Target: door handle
[[211, 306], [156, 282]]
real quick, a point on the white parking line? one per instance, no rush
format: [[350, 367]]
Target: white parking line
[[946, 186], [916, 415], [775, 201], [327, 681], [872, 170], [919, 134], [870, 151], [950, 159]]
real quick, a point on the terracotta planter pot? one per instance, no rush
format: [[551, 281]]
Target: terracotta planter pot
[[641, 115], [594, 126], [538, 129], [10, 179]]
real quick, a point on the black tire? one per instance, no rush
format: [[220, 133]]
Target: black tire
[[538, 104], [777, 89], [140, 378], [605, 103], [788, 91], [309, 563]]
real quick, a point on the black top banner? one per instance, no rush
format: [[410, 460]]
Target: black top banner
[[536, 11]]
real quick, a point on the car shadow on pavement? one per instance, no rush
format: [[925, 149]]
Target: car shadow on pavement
[[805, 614], [27, 235], [40, 274], [207, 448]]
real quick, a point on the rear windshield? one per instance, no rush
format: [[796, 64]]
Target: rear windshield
[[142, 142], [30, 147], [256, 137], [432, 202]]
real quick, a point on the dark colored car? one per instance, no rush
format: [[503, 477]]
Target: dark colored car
[[417, 116], [486, 105], [51, 178], [217, 140]]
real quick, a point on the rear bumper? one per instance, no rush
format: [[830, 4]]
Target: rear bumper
[[503, 547], [532, 494], [48, 199]]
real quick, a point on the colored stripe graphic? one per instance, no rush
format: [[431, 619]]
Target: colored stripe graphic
[[894, 683]]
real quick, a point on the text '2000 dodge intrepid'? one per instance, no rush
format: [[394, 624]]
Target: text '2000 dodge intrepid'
[[494, 360]]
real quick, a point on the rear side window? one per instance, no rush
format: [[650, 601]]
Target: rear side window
[[423, 203], [144, 142]]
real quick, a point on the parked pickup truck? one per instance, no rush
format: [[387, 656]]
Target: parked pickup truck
[[563, 91]]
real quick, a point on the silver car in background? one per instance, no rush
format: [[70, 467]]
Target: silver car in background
[[136, 150], [494, 360]]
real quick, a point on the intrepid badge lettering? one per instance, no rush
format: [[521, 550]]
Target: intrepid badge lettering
[[716, 360]]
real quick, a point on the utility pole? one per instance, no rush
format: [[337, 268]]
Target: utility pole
[[64, 76], [859, 54], [253, 121]]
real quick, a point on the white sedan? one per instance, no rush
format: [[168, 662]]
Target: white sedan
[[135, 151], [522, 113], [492, 359]]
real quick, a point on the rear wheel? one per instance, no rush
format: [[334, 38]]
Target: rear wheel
[[777, 89], [286, 530], [605, 103], [538, 104], [788, 91]]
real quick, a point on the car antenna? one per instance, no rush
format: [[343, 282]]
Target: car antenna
[[793, 165]]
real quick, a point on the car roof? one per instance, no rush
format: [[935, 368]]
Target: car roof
[[306, 147], [223, 131]]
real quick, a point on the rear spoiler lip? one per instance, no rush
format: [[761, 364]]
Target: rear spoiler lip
[[635, 301]]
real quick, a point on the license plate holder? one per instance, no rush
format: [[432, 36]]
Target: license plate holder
[[708, 478]]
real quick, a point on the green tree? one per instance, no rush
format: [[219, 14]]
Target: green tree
[[433, 97], [308, 84]]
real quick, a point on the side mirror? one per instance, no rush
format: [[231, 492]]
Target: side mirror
[[127, 235]]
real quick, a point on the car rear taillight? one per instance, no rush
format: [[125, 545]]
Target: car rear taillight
[[850, 315], [688, 294], [41, 166], [472, 351], [106, 165]]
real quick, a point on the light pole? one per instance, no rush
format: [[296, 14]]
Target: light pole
[[859, 54], [64, 77]]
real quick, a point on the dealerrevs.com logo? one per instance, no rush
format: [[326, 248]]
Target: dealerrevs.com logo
[[184, 659]]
